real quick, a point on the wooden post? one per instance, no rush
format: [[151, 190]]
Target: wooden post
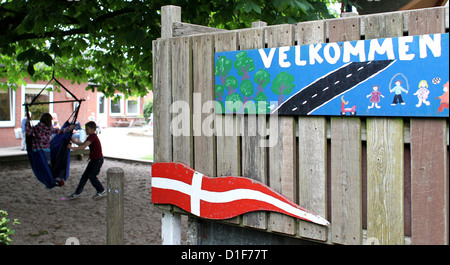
[[114, 215], [170, 222], [171, 228], [169, 15]]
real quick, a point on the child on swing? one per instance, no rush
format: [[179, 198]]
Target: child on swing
[[43, 132], [94, 165]]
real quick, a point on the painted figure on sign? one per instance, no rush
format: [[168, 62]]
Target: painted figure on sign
[[422, 93], [375, 97], [398, 89], [444, 99]]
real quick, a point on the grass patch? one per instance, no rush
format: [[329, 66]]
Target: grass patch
[[148, 157]]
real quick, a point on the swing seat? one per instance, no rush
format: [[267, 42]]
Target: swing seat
[[60, 158], [59, 152]]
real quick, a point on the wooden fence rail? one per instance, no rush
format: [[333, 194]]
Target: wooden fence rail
[[386, 176]]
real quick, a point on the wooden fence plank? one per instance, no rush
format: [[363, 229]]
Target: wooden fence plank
[[182, 98], [385, 159], [346, 177], [346, 181], [163, 100], [385, 216], [254, 163], [312, 145], [282, 154], [203, 105], [228, 143], [227, 126], [282, 173], [429, 161]]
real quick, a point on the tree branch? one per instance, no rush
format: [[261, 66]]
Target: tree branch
[[61, 33]]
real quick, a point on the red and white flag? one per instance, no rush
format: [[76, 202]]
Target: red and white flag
[[219, 198]]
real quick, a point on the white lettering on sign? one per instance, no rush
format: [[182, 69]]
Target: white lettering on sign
[[332, 53], [267, 60]]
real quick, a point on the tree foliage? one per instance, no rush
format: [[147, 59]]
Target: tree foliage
[[283, 85], [109, 42]]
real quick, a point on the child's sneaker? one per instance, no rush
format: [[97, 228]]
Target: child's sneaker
[[74, 196], [99, 195], [59, 182]]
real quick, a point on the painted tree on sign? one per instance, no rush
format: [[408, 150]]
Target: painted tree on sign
[[219, 92], [233, 102], [262, 78], [262, 103], [282, 85], [244, 65], [247, 91], [223, 66], [231, 83]]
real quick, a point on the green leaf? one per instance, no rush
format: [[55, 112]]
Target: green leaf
[[43, 57], [247, 7], [26, 55], [30, 69]]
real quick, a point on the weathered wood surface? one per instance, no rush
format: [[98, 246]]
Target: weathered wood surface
[[203, 113], [385, 165], [282, 154], [181, 109], [312, 150], [162, 76], [186, 29], [254, 160], [228, 126], [346, 202], [429, 170], [115, 211]]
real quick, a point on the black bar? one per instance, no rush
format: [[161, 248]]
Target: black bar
[[52, 102]]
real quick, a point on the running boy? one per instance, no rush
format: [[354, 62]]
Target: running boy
[[94, 165]]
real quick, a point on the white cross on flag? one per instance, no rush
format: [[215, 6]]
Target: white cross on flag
[[219, 198]]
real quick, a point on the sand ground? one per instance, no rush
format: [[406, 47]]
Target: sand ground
[[47, 218]]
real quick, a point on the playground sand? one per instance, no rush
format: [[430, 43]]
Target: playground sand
[[47, 217]]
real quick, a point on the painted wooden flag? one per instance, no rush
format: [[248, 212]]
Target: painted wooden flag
[[219, 198]]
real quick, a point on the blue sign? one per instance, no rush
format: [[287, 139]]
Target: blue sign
[[402, 77]]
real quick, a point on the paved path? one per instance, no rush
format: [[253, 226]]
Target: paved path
[[127, 143], [134, 143]]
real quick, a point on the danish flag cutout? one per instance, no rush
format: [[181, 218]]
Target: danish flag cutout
[[219, 198]]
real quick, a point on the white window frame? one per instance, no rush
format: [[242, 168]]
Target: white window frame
[[12, 113], [121, 102], [38, 86], [138, 99]]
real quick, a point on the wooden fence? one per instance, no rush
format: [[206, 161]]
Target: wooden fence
[[386, 178]]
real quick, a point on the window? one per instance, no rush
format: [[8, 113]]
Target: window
[[101, 105], [117, 105], [30, 91], [133, 106], [7, 110]]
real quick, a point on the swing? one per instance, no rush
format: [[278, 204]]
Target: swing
[[59, 153]]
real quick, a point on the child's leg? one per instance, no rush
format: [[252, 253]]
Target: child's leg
[[97, 165], [84, 178], [48, 157]]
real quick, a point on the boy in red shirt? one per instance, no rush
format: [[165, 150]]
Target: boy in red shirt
[[95, 162]]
